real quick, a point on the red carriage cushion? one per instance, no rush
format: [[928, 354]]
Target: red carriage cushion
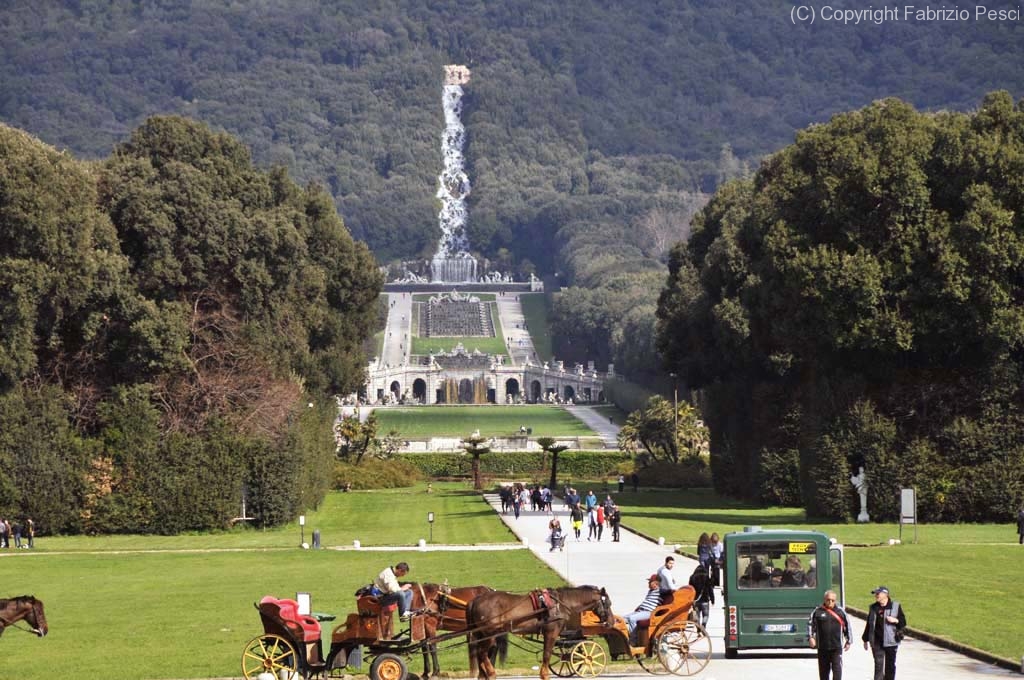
[[304, 627]]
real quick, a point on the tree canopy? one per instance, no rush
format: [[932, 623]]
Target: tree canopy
[[174, 318], [868, 279]]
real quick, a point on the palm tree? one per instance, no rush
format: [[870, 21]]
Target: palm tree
[[549, 446]]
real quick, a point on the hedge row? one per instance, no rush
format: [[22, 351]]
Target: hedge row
[[573, 464]]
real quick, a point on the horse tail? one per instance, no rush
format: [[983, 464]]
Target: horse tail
[[501, 643]]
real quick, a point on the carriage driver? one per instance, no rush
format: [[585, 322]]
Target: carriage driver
[[387, 583]]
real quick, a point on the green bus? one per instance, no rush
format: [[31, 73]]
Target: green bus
[[771, 584]]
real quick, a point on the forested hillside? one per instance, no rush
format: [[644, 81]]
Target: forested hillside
[[595, 129]]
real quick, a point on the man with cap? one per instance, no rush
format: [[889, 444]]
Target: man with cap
[[829, 633], [644, 609], [883, 632]]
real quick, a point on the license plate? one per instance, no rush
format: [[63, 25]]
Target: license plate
[[779, 628]]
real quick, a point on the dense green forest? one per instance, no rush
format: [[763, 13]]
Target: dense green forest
[[860, 302], [595, 130], [175, 323]]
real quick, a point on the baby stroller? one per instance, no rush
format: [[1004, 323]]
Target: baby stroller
[[557, 540]]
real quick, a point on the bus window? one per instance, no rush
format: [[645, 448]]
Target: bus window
[[776, 564]]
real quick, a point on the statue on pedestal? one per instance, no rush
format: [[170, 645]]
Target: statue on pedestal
[[860, 482]]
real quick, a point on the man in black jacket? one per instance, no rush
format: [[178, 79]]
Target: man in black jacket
[[829, 632], [883, 632]]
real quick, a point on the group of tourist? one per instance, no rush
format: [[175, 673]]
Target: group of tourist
[[26, 530], [830, 634], [515, 498], [597, 515]]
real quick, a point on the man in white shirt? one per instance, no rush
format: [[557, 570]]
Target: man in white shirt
[[666, 579], [387, 583]]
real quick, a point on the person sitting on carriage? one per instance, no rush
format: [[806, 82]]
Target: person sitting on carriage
[[556, 538], [644, 609], [395, 593]]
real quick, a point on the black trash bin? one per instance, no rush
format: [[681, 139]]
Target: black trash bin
[[529, 431], [316, 539]]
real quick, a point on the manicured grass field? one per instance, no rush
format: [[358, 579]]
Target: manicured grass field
[[134, 607], [535, 313], [492, 421], [939, 580]]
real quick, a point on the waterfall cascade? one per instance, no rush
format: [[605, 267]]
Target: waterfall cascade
[[452, 262]]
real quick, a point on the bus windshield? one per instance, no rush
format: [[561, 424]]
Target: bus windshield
[[776, 564]]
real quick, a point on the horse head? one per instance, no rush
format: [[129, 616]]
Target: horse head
[[603, 608], [37, 619], [25, 607]]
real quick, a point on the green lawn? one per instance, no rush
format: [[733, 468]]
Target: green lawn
[[535, 313], [134, 607], [492, 421], [937, 579]]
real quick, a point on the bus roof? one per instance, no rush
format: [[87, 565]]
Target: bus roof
[[757, 533]]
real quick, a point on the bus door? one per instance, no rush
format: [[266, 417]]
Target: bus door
[[838, 576]]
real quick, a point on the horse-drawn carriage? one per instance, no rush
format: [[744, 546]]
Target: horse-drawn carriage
[[669, 639], [563, 620], [291, 646]]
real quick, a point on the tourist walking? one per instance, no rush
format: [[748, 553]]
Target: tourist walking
[[622, 483], [704, 550], [717, 551], [615, 520], [576, 515], [883, 632], [829, 633], [635, 478], [700, 580], [1020, 525]]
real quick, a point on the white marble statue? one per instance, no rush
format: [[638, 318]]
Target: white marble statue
[[860, 482]]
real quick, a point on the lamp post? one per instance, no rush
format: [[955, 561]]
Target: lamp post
[[675, 410], [430, 521], [302, 529]]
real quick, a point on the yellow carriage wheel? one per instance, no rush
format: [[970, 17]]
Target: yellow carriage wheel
[[588, 659], [683, 647], [388, 667], [269, 654]]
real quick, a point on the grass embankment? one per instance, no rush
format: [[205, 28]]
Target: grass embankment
[[492, 421], [535, 313], [959, 581], [135, 607]]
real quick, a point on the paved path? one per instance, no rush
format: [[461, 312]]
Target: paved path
[[397, 332], [599, 423], [517, 338], [622, 568]]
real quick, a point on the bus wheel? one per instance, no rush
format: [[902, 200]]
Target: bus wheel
[[731, 652], [683, 647]]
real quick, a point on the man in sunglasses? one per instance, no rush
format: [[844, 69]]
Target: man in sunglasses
[[829, 634]]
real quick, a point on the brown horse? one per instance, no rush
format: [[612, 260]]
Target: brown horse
[[24, 607], [445, 609], [543, 613]]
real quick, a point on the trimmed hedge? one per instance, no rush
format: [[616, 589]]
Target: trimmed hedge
[[579, 464]]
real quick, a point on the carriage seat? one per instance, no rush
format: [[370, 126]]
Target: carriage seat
[[285, 614], [368, 605]]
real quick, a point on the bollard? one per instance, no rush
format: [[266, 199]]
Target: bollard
[[526, 542], [423, 544], [661, 540], [355, 544]]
